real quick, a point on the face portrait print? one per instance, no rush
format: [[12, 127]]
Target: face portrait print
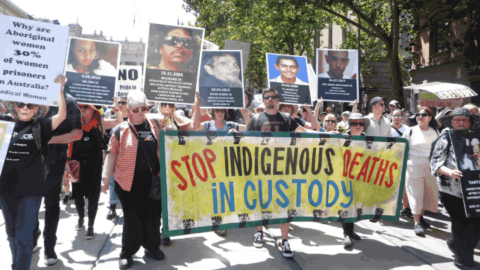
[[289, 69], [93, 57], [337, 62], [176, 50]]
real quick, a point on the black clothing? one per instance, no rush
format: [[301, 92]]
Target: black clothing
[[56, 152], [272, 123], [150, 145], [108, 134], [465, 231], [23, 168], [300, 121], [235, 116]]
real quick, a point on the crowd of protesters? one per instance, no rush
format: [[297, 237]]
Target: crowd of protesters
[[107, 140]]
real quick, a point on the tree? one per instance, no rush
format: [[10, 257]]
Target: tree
[[284, 27]]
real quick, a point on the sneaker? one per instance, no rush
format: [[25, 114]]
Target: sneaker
[[90, 234], [80, 225], [258, 242], [155, 254], [347, 241], [406, 212], [287, 252], [35, 240], [373, 220], [111, 214], [419, 229], [66, 198], [221, 233], [424, 223], [166, 241], [50, 259], [125, 263]]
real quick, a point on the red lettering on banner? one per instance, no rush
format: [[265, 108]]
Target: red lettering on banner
[[196, 157], [346, 161], [364, 170], [390, 174], [375, 159], [173, 165], [354, 162], [185, 160], [381, 171], [210, 160]]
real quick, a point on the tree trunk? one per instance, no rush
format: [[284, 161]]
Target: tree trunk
[[396, 78]]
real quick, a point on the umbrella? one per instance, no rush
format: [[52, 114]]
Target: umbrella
[[445, 90]]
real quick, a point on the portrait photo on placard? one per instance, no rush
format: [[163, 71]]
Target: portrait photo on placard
[[288, 74], [221, 80], [172, 63]]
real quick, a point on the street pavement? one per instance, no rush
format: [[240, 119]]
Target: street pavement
[[384, 245]]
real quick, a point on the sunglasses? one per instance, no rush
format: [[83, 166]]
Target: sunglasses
[[270, 97], [141, 109], [397, 116], [381, 104], [330, 121], [122, 102], [83, 106], [462, 120], [219, 110], [168, 105], [20, 105], [187, 43], [422, 114], [357, 124]]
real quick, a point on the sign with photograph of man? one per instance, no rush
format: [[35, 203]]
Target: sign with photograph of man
[[33, 54], [173, 63], [221, 79], [289, 76], [91, 70], [337, 75]]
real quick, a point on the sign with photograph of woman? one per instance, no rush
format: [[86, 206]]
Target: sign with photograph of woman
[[91, 70], [221, 79], [288, 75], [173, 63]]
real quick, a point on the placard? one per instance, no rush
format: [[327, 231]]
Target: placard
[[288, 75], [172, 63], [238, 45], [92, 70], [337, 75], [219, 180], [6, 130], [466, 144], [129, 78], [428, 99], [33, 56], [221, 80]]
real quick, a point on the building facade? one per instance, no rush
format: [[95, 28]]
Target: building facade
[[10, 9]]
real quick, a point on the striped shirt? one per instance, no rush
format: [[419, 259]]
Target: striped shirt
[[126, 151]]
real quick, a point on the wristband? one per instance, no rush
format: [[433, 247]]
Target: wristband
[[116, 110]]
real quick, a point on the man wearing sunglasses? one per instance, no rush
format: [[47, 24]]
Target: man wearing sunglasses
[[379, 125], [271, 120], [176, 51]]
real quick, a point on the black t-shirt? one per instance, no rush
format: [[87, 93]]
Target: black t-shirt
[[150, 144], [272, 123], [22, 172], [300, 121]]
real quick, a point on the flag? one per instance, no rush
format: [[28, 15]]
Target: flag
[[178, 21]]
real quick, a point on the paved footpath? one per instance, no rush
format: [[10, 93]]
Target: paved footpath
[[385, 245]]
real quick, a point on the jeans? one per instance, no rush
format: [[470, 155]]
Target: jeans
[[52, 205], [113, 196], [21, 215]]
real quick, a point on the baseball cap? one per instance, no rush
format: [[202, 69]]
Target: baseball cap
[[346, 112], [329, 109], [377, 99], [394, 103]]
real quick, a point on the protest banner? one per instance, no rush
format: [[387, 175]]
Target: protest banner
[[313, 83], [129, 78], [238, 45], [221, 80], [173, 63], [33, 56], [428, 99], [92, 70], [337, 75], [6, 130], [466, 144], [214, 181], [288, 75]]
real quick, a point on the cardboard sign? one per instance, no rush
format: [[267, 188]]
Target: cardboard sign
[[337, 75], [288, 74], [33, 55], [214, 181], [431, 100], [6, 130], [129, 78], [221, 80], [173, 63], [91, 70], [238, 45]]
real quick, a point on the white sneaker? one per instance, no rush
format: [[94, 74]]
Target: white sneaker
[[287, 252], [258, 242]]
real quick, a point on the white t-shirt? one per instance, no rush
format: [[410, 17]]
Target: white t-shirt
[[403, 129], [297, 80], [104, 69], [420, 143]]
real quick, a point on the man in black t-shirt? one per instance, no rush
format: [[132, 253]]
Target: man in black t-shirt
[[271, 120]]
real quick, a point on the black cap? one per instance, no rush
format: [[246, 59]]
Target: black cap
[[377, 99]]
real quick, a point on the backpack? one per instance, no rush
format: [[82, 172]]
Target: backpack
[[116, 130], [37, 136]]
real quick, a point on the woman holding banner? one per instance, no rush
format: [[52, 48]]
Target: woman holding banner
[[443, 164], [88, 151], [133, 158], [22, 183]]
